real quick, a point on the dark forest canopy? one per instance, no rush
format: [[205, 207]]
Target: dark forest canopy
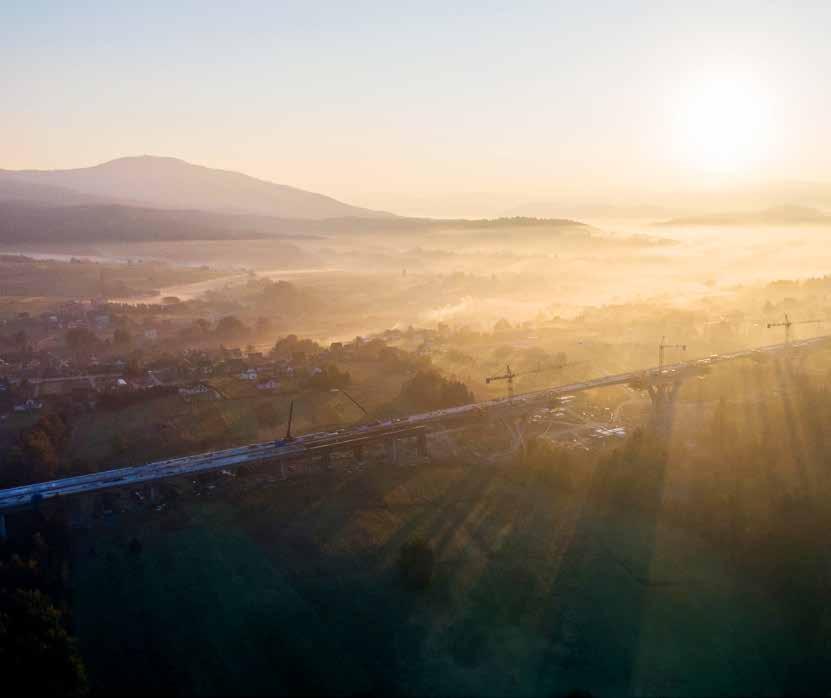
[[25, 222]]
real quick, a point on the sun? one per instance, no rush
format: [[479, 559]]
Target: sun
[[724, 124]]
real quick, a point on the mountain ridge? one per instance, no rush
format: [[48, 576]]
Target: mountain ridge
[[776, 215], [171, 183]]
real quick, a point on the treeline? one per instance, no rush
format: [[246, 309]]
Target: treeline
[[429, 390]]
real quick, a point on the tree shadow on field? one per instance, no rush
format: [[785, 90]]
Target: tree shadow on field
[[356, 592]]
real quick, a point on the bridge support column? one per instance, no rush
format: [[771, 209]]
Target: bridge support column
[[358, 453], [80, 511], [664, 397], [326, 460], [421, 445], [3, 533], [391, 447], [283, 474]]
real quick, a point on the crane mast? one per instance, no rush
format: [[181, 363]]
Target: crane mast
[[509, 374]]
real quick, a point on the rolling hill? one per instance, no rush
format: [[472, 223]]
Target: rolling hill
[[780, 215], [169, 183]]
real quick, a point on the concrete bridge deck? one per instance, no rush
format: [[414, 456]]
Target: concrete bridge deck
[[310, 445]]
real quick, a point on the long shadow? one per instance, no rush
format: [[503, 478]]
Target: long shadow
[[596, 601], [793, 433], [362, 600]]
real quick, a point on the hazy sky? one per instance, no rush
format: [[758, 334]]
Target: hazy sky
[[427, 107]]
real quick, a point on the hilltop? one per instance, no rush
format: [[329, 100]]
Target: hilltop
[[170, 183]]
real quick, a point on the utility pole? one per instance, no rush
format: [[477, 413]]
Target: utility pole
[[289, 437]]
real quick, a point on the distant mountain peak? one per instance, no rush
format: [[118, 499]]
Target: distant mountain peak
[[171, 183]]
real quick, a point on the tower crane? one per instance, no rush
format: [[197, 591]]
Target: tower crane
[[664, 346], [788, 323], [509, 375]]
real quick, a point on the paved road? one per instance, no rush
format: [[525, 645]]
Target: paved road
[[310, 444]]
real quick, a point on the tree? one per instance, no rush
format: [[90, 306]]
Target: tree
[[20, 339], [428, 390], [268, 415], [330, 377], [230, 326], [41, 458], [122, 337], [263, 326], [415, 563], [36, 652], [80, 339]]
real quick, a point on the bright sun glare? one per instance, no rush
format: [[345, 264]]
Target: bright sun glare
[[724, 124]]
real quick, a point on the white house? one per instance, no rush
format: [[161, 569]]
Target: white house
[[28, 406], [198, 389]]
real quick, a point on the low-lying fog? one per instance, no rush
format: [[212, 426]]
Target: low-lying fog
[[476, 276]]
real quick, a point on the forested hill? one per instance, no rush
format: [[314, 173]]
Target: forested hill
[[26, 222]]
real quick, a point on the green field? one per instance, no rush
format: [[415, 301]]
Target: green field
[[536, 592]]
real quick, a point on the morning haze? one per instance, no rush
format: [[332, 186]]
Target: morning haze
[[386, 350]]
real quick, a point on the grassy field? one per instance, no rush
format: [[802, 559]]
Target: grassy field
[[167, 425], [537, 591]]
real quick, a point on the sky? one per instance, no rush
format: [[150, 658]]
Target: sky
[[428, 108]]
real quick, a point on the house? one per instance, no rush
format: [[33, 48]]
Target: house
[[151, 333], [191, 390], [102, 321], [28, 406], [248, 375], [270, 384]]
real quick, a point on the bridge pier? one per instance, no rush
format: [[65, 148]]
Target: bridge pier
[[664, 397], [3, 533], [326, 460], [421, 445], [80, 511], [358, 453], [391, 447]]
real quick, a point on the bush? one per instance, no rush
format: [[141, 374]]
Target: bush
[[415, 563]]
